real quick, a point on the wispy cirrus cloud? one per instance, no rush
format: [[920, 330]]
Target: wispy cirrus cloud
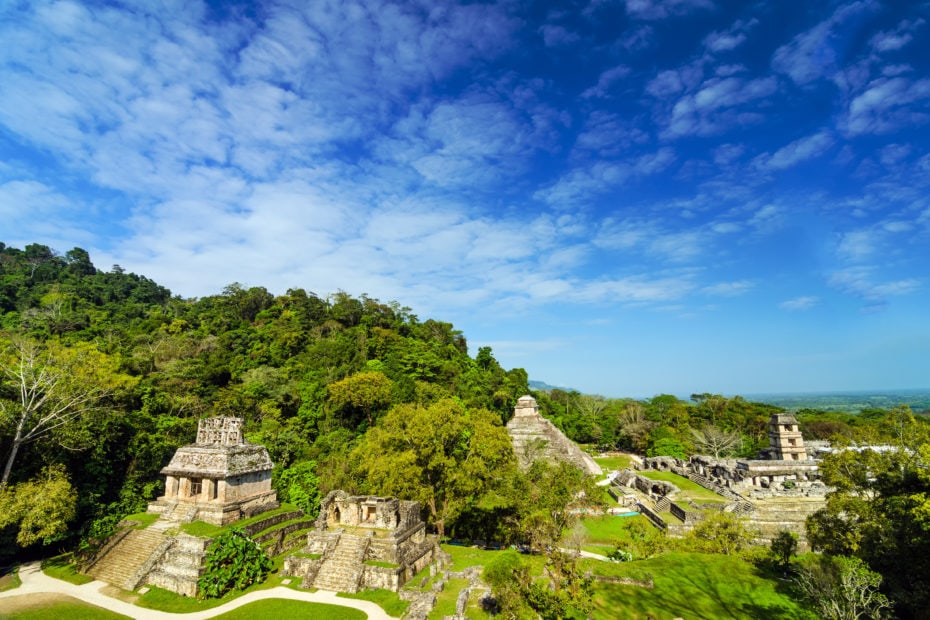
[[900, 36], [886, 105], [662, 9], [805, 302], [861, 282], [796, 152], [729, 289], [813, 54], [718, 105]]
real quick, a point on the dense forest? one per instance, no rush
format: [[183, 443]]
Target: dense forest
[[104, 374]]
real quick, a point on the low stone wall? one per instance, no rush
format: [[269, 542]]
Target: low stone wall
[[382, 577], [306, 568], [658, 521]]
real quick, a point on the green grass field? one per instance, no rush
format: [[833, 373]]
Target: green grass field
[[60, 567], [686, 585], [693, 586], [278, 609], [689, 488], [608, 529], [445, 602], [61, 608], [10, 580], [388, 601], [145, 519], [610, 463]]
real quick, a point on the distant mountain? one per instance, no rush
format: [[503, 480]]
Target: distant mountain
[[542, 385]]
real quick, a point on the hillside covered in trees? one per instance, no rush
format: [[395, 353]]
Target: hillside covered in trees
[[125, 369], [104, 374]]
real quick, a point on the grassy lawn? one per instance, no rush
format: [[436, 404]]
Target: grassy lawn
[[686, 585], [277, 609], [610, 463], [54, 607], [608, 529], [692, 585], [145, 519], [445, 601], [689, 488], [10, 580], [388, 601], [60, 567]]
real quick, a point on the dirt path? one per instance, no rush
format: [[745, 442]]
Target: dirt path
[[39, 589]]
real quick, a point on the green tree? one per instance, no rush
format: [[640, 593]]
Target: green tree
[[444, 456], [299, 485], [877, 513], [40, 508], [843, 588], [721, 532], [365, 391], [52, 387], [784, 546]]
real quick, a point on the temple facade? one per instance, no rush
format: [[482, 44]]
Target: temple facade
[[364, 542], [219, 479]]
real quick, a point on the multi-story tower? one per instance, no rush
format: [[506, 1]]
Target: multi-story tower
[[785, 441]]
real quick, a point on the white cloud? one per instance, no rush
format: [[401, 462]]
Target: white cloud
[[799, 303], [714, 107], [731, 38], [661, 9], [797, 152], [893, 40], [729, 289], [606, 81], [857, 245], [860, 282], [813, 54], [884, 106]]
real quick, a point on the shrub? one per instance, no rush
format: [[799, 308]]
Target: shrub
[[234, 562]]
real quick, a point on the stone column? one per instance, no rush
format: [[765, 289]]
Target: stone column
[[206, 490], [184, 487], [171, 487], [221, 491]]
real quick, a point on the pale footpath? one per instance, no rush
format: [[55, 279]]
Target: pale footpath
[[34, 581]]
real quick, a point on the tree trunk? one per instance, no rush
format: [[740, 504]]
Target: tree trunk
[[9, 462]]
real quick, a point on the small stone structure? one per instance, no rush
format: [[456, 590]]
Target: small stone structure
[[364, 542], [533, 437], [219, 479]]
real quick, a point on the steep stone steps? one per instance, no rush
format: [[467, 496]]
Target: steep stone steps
[[341, 571], [121, 565]]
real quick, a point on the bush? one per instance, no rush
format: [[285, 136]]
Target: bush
[[234, 562]]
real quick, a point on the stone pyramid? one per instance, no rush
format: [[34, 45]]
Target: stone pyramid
[[535, 437]]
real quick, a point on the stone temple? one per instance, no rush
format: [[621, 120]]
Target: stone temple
[[535, 437], [219, 479], [364, 542]]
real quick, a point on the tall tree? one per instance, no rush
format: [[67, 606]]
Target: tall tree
[[443, 456], [46, 387]]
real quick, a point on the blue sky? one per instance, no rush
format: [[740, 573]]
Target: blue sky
[[628, 197]]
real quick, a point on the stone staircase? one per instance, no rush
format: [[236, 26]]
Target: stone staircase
[[662, 504], [123, 564], [342, 569], [179, 568]]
